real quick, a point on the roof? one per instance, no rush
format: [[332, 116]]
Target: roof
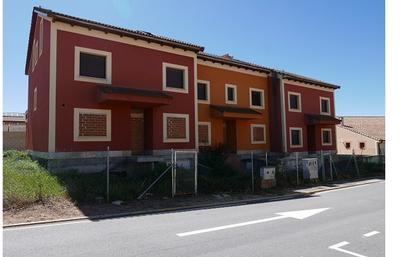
[[300, 78], [138, 34], [370, 126], [133, 91], [14, 117], [321, 119], [223, 108], [229, 60]]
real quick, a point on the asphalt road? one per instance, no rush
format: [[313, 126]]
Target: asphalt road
[[353, 225]]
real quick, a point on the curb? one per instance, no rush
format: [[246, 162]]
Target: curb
[[186, 208]]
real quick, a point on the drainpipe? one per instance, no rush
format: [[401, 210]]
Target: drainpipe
[[282, 112]]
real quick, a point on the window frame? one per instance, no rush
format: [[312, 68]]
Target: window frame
[[320, 103], [262, 96], [227, 101], [207, 91], [209, 125], [299, 101], [300, 137], [78, 77], [330, 135], [176, 140], [252, 140], [76, 123], [185, 88]]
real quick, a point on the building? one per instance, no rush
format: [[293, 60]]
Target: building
[[14, 131], [85, 96], [363, 135]]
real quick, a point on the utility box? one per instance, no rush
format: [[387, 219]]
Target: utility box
[[268, 177], [310, 168]]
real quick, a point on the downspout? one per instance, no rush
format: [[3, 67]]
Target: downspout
[[282, 112]]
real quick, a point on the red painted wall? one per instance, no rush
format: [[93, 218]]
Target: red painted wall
[[37, 121], [310, 100], [132, 66]]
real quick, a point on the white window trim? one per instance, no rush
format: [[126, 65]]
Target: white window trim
[[234, 94], [290, 137], [35, 99], [108, 55], [252, 126], [320, 105], [262, 98], [299, 102], [207, 91], [209, 136], [185, 88], [175, 140], [41, 37], [330, 134], [77, 138]]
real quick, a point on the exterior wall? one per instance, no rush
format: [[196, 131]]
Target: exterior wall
[[37, 121], [310, 104], [218, 77], [344, 135], [132, 66]]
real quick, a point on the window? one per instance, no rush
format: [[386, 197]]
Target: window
[[92, 124], [326, 136], [175, 128], [294, 102], [175, 78], [92, 65], [295, 137], [325, 105], [257, 98], [203, 91], [35, 99], [362, 145], [41, 37], [258, 133], [230, 94], [204, 134], [347, 145]]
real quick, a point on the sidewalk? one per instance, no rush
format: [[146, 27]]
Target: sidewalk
[[65, 210]]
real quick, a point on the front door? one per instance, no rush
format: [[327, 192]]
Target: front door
[[229, 135], [137, 138], [311, 134]]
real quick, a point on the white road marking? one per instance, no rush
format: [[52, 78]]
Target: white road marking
[[347, 188], [338, 246], [372, 233], [303, 214], [44, 225]]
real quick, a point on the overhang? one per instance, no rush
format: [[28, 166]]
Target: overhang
[[316, 119], [140, 97], [230, 112]]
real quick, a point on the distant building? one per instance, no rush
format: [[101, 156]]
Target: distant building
[[363, 134], [14, 131]]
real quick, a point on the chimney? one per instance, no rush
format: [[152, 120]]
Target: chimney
[[227, 56]]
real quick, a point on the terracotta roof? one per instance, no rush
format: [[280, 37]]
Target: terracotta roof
[[370, 126], [223, 108], [229, 60], [14, 117], [133, 91], [300, 78]]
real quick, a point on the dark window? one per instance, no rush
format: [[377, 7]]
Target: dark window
[[347, 145], [92, 65], [230, 94], [296, 137], [362, 145], [325, 105], [175, 78], [294, 102], [256, 98], [326, 137], [202, 91]]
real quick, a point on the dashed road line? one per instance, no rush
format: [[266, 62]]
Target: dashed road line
[[372, 233]]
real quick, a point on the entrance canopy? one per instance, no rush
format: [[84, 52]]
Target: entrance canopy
[[141, 97], [316, 119], [230, 112]]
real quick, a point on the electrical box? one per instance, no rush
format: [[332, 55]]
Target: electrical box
[[310, 168], [268, 177]]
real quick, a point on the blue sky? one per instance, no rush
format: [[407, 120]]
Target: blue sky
[[338, 41]]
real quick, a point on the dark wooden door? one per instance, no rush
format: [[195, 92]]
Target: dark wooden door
[[137, 138], [311, 138], [229, 135]]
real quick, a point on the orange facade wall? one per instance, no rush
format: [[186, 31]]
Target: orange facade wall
[[218, 77]]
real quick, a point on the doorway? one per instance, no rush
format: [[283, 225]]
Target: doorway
[[137, 136], [229, 135]]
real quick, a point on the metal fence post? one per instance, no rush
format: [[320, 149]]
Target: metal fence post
[[171, 172], [196, 173], [297, 168], [330, 165], [356, 163], [253, 175], [266, 158], [323, 165], [108, 174]]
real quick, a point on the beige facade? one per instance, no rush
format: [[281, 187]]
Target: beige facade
[[348, 140]]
